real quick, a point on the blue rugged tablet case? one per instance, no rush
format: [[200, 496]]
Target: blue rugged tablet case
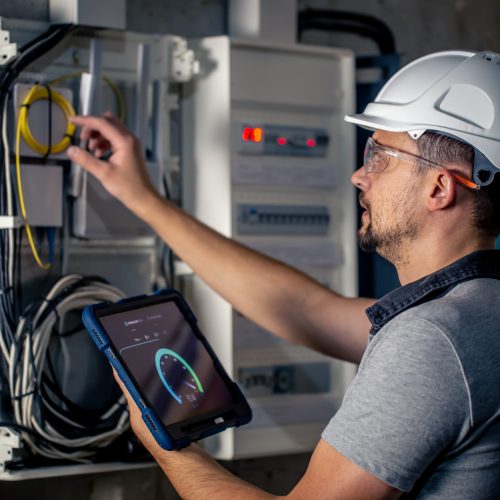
[[154, 424]]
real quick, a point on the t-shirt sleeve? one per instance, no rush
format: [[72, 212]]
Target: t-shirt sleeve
[[408, 403]]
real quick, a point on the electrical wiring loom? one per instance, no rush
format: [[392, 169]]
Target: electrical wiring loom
[[31, 402], [59, 430], [10, 239]]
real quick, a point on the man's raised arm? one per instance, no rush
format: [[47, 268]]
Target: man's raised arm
[[279, 298]]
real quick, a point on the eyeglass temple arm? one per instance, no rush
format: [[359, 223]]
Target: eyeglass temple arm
[[466, 182]]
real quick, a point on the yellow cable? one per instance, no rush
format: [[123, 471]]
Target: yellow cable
[[41, 264], [120, 100], [38, 93], [63, 78]]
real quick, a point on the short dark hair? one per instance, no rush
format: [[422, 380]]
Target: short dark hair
[[445, 150]]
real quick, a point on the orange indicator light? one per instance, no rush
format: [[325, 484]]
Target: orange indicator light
[[252, 134], [258, 133]]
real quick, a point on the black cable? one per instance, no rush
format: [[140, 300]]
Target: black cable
[[75, 411], [342, 15], [49, 146], [67, 333], [43, 36], [352, 22], [358, 29], [89, 419], [18, 427], [32, 357], [28, 53], [18, 303]]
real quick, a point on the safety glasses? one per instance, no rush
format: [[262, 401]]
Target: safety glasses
[[376, 158]]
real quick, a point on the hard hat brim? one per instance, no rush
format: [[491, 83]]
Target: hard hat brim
[[375, 122]]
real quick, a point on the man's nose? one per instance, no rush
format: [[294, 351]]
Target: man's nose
[[360, 179]]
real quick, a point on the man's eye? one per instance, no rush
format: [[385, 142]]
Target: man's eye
[[376, 158]]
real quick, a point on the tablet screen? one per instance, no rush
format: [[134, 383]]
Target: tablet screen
[[170, 365]]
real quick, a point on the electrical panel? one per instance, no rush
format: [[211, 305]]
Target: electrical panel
[[267, 161]]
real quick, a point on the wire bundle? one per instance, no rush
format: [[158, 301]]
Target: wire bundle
[[50, 429], [31, 399], [10, 282]]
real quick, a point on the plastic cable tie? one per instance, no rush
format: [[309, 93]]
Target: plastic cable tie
[[21, 396]]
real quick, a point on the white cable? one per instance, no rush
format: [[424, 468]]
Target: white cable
[[40, 344], [3, 347], [10, 211], [23, 385], [8, 190]]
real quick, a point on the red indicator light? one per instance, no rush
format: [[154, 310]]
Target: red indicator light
[[250, 134], [281, 141], [247, 133], [311, 143]]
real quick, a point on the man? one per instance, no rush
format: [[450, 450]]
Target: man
[[423, 413]]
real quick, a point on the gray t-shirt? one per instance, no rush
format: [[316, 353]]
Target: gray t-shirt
[[423, 412]]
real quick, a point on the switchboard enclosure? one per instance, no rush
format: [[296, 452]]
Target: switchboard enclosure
[[267, 161]]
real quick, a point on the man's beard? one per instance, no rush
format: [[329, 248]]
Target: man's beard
[[391, 242], [368, 242]]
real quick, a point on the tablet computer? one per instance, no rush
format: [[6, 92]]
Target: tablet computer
[[168, 367]]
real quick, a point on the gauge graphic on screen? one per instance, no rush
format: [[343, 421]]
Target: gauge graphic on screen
[[178, 376]]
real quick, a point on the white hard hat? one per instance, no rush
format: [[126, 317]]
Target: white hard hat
[[456, 93]]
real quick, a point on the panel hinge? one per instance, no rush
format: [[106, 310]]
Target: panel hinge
[[11, 447], [183, 65], [8, 51]]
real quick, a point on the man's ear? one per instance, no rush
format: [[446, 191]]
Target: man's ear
[[442, 190]]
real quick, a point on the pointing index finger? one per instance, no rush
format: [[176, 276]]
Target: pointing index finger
[[109, 128]]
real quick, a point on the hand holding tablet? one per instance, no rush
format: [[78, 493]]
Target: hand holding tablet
[[168, 367]]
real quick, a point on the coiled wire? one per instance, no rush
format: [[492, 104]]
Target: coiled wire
[[36, 93], [27, 362]]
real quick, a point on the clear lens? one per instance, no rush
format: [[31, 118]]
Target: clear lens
[[374, 160], [377, 157]]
